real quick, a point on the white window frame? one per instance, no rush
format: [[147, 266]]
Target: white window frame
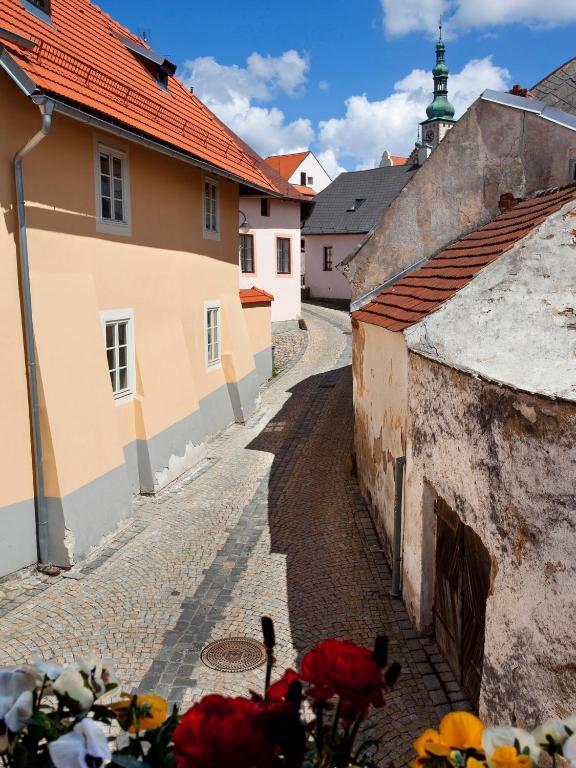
[[211, 234], [107, 226], [212, 365], [107, 317]]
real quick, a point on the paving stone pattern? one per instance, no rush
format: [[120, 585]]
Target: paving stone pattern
[[271, 523]]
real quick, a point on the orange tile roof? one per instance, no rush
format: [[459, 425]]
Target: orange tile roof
[[397, 160], [308, 191], [255, 296], [81, 61], [285, 165], [422, 291]]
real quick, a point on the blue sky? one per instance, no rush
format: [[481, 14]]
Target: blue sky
[[348, 79]]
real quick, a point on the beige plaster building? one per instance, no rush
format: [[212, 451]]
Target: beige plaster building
[[119, 251], [464, 396]]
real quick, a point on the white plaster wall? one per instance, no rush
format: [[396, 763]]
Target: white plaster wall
[[505, 461], [328, 285], [284, 221], [312, 167]]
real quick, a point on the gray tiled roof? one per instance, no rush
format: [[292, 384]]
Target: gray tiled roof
[[559, 88], [378, 187]]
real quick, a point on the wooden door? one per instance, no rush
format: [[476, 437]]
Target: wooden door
[[461, 590]]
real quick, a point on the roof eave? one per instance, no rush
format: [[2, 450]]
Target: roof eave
[[16, 73], [540, 108]]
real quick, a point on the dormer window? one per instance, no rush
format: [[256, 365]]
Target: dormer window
[[38, 8], [356, 204], [158, 66]]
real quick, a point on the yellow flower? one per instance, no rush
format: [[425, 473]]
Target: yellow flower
[[472, 762], [150, 711], [508, 757], [461, 730]]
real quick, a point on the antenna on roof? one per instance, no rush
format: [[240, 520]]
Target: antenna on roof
[[145, 35]]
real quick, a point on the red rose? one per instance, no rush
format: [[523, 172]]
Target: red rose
[[337, 667], [220, 731], [279, 690]]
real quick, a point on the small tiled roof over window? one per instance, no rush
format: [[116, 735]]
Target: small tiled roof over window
[[255, 296], [420, 292], [82, 57]]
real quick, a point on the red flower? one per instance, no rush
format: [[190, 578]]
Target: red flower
[[279, 690], [220, 731], [337, 667]]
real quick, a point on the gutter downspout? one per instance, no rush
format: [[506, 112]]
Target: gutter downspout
[[46, 107], [399, 465]]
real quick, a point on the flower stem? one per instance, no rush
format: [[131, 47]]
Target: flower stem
[[320, 727], [354, 732], [336, 719]]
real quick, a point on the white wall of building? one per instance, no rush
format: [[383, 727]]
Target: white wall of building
[[313, 170], [284, 221], [328, 284]]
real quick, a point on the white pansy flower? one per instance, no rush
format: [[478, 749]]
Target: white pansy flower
[[506, 736], [98, 676], [569, 750], [552, 728], [72, 684], [48, 669], [16, 702], [85, 746]]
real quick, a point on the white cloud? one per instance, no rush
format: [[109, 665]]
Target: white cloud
[[370, 127], [330, 163], [323, 85], [417, 15], [229, 91]]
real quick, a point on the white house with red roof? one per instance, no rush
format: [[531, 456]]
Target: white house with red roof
[[303, 169]]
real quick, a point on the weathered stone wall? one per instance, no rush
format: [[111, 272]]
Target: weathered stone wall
[[380, 366], [493, 149], [505, 461]]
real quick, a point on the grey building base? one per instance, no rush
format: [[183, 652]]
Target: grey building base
[[281, 326], [263, 362], [18, 537], [79, 520]]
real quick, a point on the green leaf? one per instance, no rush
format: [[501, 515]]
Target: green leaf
[[127, 761], [40, 726]]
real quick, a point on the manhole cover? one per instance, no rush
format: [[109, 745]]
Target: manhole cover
[[234, 654]]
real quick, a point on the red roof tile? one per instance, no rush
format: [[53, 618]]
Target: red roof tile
[[255, 296], [81, 60], [417, 294], [397, 160], [308, 191], [285, 165]]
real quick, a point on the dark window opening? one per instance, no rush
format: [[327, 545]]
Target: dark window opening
[[39, 8], [265, 206], [356, 204], [162, 78], [303, 178], [247, 253], [310, 180], [328, 258], [283, 260], [302, 245]]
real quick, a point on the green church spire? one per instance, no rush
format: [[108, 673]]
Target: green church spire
[[440, 108]]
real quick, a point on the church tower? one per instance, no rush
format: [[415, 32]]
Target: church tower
[[440, 112]]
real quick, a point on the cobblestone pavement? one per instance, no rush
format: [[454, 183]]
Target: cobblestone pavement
[[272, 523], [287, 346]]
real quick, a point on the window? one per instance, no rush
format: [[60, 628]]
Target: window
[[162, 78], [38, 8], [211, 212], [302, 245], [265, 206], [212, 326], [303, 178], [327, 258], [44, 5], [112, 190], [310, 180], [356, 204], [283, 265], [117, 326], [247, 253]]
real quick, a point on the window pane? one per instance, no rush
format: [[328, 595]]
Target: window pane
[[104, 164], [110, 354], [106, 208], [113, 380], [110, 335], [118, 210], [105, 186], [122, 333], [118, 189], [123, 378], [117, 167], [122, 357]]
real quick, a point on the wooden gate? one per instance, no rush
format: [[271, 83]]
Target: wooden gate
[[461, 590]]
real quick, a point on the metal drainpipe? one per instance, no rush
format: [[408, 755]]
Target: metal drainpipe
[[399, 465], [46, 107]]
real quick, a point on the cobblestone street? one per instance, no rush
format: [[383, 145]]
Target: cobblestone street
[[271, 523]]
